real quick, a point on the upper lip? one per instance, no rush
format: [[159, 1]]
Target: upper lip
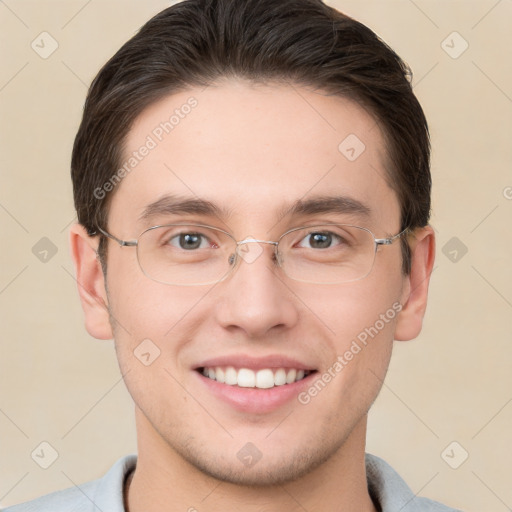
[[254, 363]]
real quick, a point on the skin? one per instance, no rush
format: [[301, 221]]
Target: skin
[[255, 149]]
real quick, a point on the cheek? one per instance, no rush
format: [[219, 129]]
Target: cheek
[[350, 310], [156, 319], [361, 351], [361, 319], [148, 321], [140, 307]]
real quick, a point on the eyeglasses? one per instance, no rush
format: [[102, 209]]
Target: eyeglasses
[[197, 254]]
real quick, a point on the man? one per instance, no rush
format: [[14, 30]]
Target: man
[[253, 193]]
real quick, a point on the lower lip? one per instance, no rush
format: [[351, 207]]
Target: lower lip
[[256, 400]]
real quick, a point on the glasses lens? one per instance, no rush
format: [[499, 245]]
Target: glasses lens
[[329, 254], [183, 254]]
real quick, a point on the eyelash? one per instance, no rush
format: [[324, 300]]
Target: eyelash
[[167, 239]]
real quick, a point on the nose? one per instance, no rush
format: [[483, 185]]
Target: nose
[[255, 298]]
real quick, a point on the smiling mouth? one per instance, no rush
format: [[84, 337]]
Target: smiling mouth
[[264, 378]]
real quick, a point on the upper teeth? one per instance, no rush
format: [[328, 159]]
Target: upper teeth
[[246, 378]]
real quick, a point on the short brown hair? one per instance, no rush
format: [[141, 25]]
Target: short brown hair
[[306, 42]]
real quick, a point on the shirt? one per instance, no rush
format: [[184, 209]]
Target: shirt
[[386, 487]]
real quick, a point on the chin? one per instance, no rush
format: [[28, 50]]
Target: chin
[[254, 468]]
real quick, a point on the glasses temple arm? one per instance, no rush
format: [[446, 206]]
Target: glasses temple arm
[[122, 243], [391, 239]]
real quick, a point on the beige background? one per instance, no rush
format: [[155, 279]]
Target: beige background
[[452, 384]]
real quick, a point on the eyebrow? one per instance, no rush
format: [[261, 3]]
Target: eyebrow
[[326, 204], [176, 205]]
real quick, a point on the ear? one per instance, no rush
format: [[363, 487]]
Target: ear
[[91, 283], [415, 289]]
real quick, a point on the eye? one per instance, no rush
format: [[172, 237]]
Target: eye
[[189, 241], [320, 240]]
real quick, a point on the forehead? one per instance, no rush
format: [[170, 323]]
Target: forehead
[[253, 150]]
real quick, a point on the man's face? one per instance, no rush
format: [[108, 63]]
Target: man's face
[[255, 151]]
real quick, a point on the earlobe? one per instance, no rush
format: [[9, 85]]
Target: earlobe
[[415, 290], [90, 282]]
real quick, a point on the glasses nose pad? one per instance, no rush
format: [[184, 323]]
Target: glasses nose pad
[[278, 257]]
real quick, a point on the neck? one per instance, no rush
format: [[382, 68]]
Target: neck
[[164, 481]]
